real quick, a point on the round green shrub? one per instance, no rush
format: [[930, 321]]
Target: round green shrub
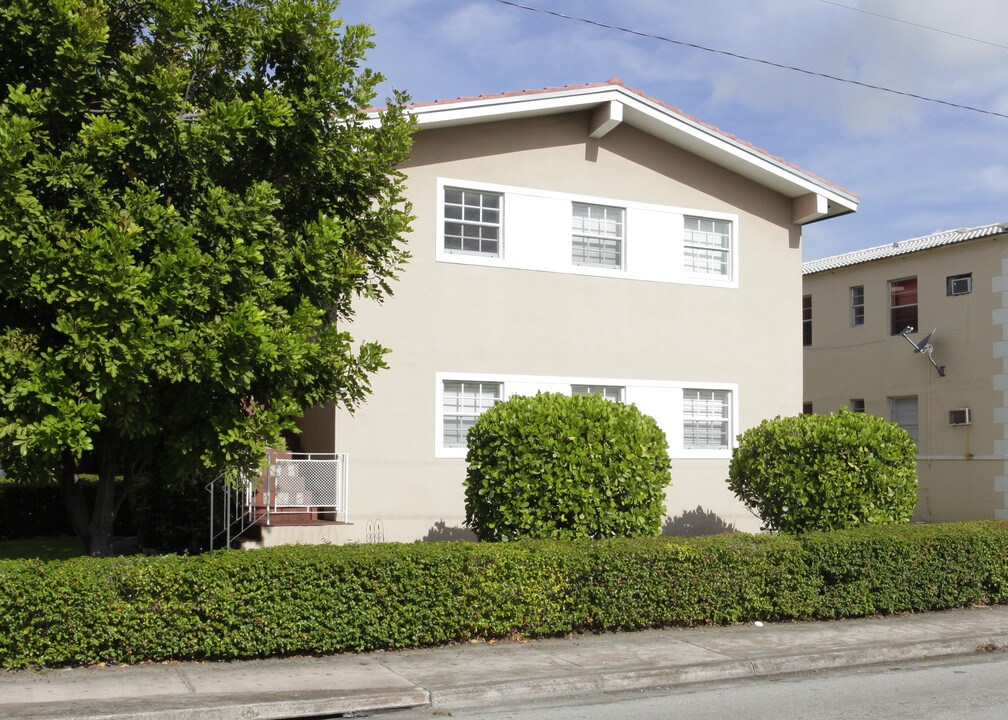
[[825, 472], [560, 467]]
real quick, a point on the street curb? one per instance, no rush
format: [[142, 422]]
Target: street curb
[[223, 706], [537, 689]]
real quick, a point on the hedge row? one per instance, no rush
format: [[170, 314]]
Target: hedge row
[[333, 599]]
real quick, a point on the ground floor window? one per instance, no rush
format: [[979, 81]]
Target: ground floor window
[[904, 414], [463, 402], [609, 392], [706, 419]]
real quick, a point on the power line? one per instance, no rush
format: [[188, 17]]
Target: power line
[[747, 58], [908, 22]]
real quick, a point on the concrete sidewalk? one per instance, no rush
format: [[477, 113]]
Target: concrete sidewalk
[[487, 673]]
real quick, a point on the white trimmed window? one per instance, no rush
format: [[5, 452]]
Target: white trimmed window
[[463, 402], [707, 246], [706, 419], [472, 222], [597, 236], [609, 392]]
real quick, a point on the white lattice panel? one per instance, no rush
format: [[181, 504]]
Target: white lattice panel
[[308, 483]]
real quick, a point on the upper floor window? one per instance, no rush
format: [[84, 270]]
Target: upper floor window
[[472, 222], [959, 284], [806, 308], [609, 392], [597, 236], [463, 402], [707, 246], [706, 419], [902, 305], [857, 306]]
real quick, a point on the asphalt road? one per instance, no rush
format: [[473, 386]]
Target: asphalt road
[[974, 688]]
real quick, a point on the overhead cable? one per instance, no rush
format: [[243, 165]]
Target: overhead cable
[[918, 25], [747, 58]]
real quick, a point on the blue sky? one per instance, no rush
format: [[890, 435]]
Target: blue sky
[[918, 167]]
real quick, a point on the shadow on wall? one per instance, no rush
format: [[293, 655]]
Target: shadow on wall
[[694, 523], [442, 533]]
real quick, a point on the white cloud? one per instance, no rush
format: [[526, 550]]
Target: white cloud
[[993, 179]]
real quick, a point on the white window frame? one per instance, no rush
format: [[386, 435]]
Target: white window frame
[[724, 397], [448, 217], [615, 393], [593, 235], [699, 248], [462, 412]]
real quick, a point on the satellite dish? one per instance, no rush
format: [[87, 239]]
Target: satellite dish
[[924, 346]]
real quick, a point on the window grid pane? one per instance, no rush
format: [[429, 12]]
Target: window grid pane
[[707, 246], [609, 392], [472, 222], [597, 235], [706, 417], [806, 320], [463, 402], [857, 305]]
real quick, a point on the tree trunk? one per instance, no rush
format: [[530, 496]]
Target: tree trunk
[[103, 514], [93, 525], [74, 500]]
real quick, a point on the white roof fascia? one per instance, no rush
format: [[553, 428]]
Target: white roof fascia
[[701, 136], [648, 116]]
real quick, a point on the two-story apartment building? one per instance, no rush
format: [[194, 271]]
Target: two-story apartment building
[[857, 307], [579, 239]]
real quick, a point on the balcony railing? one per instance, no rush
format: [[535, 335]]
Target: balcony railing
[[293, 489], [304, 486]]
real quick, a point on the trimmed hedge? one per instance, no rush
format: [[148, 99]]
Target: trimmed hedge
[[563, 467], [825, 472], [330, 599]]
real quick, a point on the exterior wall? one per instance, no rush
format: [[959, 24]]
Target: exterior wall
[[560, 327], [957, 465]]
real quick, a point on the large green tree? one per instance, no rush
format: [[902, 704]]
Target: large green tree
[[191, 197]]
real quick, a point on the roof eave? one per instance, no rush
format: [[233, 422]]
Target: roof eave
[[657, 120]]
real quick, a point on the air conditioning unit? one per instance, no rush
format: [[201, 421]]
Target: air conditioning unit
[[962, 416], [962, 285]]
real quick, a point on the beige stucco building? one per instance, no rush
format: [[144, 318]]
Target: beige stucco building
[[857, 307], [579, 239]]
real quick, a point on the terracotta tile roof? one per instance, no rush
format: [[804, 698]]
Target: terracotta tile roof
[[619, 83], [904, 247]]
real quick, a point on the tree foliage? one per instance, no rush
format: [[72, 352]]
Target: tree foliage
[[190, 200], [826, 472], [560, 467]]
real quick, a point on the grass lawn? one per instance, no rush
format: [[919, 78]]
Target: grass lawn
[[55, 548]]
